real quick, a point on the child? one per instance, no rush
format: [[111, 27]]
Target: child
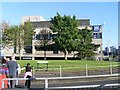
[[28, 74]]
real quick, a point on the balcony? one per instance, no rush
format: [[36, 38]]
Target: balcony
[[97, 41]]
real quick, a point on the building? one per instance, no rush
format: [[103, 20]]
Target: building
[[113, 49], [106, 52], [41, 24], [118, 53]]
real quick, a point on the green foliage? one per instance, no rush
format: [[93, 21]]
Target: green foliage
[[85, 48], [28, 33], [70, 38], [68, 32], [44, 39], [18, 35]]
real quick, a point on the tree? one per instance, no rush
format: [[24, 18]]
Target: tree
[[28, 33], [85, 47], [66, 27], [44, 38], [18, 36], [13, 37], [24, 36], [5, 36], [44, 41]]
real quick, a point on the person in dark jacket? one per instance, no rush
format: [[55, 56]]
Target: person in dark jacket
[[28, 74], [12, 66]]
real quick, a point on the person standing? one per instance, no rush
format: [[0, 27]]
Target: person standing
[[12, 66], [28, 74], [5, 74]]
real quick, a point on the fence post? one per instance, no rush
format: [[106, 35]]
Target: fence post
[[46, 84], [60, 71], [86, 70], [3, 84], [110, 68], [16, 82]]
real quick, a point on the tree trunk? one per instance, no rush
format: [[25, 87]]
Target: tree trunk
[[44, 54], [20, 53], [81, 55], [44, 50], [65, 55]]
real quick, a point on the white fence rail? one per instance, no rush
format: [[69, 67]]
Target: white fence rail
[[57, 78], [85, 86], [59, 70]]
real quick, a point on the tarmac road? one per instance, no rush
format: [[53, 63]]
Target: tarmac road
[[78, 82], [101, 83], [38, 85]]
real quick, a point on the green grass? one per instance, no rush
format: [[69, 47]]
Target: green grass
[[68, 63]]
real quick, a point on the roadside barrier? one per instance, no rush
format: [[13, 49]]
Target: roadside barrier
[[62, 78], [0, 82]]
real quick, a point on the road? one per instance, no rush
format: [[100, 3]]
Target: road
[[70, 84]]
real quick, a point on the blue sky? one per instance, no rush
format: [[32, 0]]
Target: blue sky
[[97, 12]]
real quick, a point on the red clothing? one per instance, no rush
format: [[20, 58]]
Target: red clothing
[[5, 73]]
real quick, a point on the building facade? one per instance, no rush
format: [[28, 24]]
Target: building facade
[[41, 25]]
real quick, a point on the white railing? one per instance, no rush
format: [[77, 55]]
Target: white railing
[[86, 68], [57, 78], [85, 86]]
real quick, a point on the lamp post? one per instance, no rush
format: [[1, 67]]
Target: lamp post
[[101, 38]]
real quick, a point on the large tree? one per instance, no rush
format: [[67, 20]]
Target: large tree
[[85, 47], [28, 28], [67, 32]]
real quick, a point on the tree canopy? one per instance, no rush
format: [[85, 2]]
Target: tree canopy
[[85, 46], [17, 35], [68, 32], [69, 38]]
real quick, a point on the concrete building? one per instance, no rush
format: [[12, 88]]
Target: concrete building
[[41, 24], [113, 49]]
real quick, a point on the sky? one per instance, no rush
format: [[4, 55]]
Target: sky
[[97, 12]]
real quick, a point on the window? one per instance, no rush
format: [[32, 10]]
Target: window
[[94, 35], [100, 35], [97, 35], [37, 37]]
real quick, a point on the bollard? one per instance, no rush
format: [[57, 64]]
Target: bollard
[[16, 82]]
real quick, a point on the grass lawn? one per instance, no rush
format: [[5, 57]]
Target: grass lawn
[[68, 63]]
